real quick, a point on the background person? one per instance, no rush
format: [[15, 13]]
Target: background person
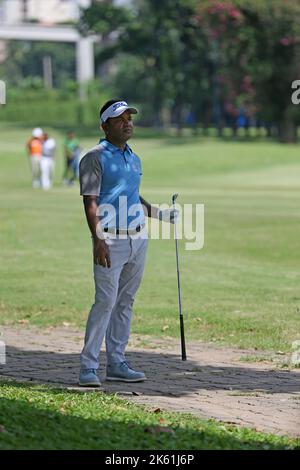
[[72, 153], [47, 162], [34, 150]]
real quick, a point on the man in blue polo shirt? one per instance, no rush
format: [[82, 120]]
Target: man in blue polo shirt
[[110, 176]]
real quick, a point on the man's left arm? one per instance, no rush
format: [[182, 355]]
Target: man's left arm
[[167, 215], [149, 211]]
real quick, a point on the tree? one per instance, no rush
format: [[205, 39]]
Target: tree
[[274, 63], [209, 57], [161, 58], [259, 49], [25, 59]]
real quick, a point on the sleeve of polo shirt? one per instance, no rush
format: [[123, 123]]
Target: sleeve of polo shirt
[[90, 174]]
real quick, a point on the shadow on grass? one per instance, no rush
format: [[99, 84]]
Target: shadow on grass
[[37, 425]]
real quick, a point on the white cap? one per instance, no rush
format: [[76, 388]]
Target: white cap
[[37, 132], [116, 110]]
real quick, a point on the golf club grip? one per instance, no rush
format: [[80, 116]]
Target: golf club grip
[[183, 350]]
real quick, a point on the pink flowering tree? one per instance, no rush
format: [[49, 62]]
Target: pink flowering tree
[[257, 58]]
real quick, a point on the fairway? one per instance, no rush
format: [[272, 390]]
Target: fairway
[[241, 289]]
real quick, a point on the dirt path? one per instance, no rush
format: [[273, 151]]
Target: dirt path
[[214, 382]]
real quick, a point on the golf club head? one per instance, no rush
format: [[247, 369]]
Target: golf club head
[[174, 197]]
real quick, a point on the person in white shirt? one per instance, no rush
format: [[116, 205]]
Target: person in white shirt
[[47, 163]]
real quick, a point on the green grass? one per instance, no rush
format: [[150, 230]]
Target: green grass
[[37, 417], [241, 289]]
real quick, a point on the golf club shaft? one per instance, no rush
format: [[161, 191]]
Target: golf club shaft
[[183, 350]]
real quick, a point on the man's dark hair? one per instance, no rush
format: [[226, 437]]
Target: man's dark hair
[[108, 104]]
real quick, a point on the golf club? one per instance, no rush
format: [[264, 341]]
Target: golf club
[[183, 351]]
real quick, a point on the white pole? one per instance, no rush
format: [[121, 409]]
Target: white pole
[[47, 72], [85, 64]]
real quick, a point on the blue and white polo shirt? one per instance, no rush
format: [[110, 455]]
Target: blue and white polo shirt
[[114, 176]]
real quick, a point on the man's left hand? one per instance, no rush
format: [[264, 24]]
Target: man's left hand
[[169, 215]]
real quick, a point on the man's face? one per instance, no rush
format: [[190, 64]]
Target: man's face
[[119, 128]]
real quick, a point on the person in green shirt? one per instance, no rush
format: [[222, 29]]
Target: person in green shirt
[[72, 152]]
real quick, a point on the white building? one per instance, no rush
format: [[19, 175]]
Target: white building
[[41, 11], [45, 11], [45, 15]]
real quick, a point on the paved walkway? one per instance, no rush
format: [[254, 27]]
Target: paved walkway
[[214, 382]]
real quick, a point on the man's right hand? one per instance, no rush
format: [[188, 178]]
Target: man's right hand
[[101, 253]]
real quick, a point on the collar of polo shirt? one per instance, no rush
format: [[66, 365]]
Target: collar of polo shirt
[[116, 110], [109, 146]]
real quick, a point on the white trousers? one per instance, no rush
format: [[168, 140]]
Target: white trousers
[[47, 172], [110, 316], [35, 163]]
